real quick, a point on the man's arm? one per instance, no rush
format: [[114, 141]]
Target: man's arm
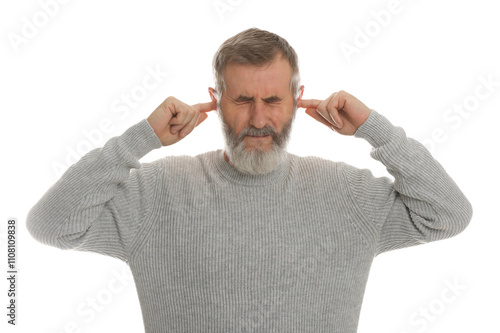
[[98, 203], [423, 204]]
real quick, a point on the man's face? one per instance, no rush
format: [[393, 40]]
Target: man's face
[[257, 110]]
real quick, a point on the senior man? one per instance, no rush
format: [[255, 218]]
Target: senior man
[[251, 238]]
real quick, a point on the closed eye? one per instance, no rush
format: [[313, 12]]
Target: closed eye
[[273, 99], [245, 100], [242, 103]]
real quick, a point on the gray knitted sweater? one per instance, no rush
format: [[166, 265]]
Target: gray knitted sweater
[[214, 250]]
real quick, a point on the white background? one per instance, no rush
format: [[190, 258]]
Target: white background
[[63, 78]]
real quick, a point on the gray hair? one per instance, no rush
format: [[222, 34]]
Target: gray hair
[[254, 47]]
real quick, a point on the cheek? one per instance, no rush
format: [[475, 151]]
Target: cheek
[[280, 115], [237, 116]]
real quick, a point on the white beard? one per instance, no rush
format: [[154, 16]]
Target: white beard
[[256, 161]]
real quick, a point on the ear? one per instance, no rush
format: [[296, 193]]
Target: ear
[[301, 92], [213, 94]]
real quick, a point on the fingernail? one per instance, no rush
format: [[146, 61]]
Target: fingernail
[[334, 121], [323, 116]]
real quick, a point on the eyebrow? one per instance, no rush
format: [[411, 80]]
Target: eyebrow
[[270, 99]]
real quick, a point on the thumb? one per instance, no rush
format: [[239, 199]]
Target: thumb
[[202, 118], [314, 113]]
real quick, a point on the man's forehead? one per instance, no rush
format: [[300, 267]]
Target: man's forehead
[[247, 93], [248, 80]]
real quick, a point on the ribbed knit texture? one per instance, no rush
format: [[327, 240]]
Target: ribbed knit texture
[[213, 250]]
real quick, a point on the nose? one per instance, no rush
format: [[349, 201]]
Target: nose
[[258, 115]]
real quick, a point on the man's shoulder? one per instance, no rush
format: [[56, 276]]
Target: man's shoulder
[[321, 172], [183, 165], [315, 165], [185, 159], [313, 160], [324, 166]]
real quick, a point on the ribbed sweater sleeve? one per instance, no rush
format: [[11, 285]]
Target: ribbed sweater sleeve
[[423, 204], [98, 203]]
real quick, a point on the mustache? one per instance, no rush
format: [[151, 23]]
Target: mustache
[[253, 131]]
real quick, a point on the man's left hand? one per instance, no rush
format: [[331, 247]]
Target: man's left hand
[[341, 112]]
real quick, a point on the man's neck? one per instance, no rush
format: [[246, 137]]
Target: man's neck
[[226, 158]]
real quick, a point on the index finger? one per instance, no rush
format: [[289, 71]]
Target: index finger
[[308, 103], [205, 107]]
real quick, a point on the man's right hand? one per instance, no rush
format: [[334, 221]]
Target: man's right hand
[[173, 120]]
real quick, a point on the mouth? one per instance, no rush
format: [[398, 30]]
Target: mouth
[[258, 136]]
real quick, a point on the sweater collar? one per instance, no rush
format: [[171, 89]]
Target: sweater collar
[[232, 174]]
